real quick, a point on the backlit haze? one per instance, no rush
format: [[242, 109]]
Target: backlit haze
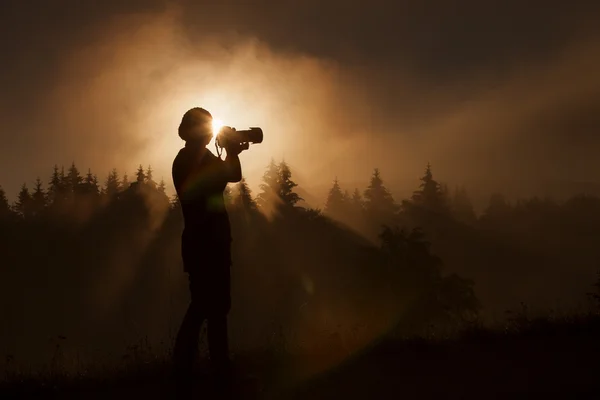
[[499, 96], [495, 96]]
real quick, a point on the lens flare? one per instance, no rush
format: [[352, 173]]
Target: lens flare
[[217, 124]]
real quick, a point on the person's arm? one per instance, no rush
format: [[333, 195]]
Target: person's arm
[[232, 164], [233, 167]]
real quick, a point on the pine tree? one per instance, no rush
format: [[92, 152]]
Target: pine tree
[[90, 183], [161, 190], [431, 194], [140, 175], [227, 195], [87, 181], [175, 202], [74, 179], [56, 189], [162, 187], [269, 186], [38, 198], [96, 184], [286, 186], [112, 186], [54, 181], [243, 197], [356, 211], [125, 182], [64, 182], [379, 203], [149, 179], [356, 202], [335, 204], [23, 205], [347, 197], [4, 206]]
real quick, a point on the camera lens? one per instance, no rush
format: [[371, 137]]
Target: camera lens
[[255, 135]]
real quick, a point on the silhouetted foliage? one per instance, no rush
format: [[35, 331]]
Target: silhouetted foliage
[[277, 188], [57, 191], [227, 195], [242, 197], [24, 204], [149, 177], [335, 205], [433, 298], [431, 196], [90, 184], [4, 205], [125, 181], [175, 202], [162, 187], [140, 175], [269, 187], [379, 204], [38, 198], [107, 261], [287, 185], [112, 185], [74, 180]]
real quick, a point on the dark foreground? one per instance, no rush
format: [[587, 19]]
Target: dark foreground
[[540, 360]]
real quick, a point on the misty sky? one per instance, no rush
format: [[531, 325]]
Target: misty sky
[[495, 94]]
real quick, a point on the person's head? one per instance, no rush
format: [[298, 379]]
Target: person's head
[[196, 126]]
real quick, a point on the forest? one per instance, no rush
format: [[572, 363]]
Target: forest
[[91, 270]]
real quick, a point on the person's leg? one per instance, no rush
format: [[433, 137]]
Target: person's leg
[[218, 342], [186, 343], [218, 347]]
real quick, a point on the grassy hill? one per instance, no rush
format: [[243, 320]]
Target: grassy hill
[[525, 359]]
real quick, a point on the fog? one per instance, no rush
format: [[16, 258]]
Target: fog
[[494, 116], [497, 97]]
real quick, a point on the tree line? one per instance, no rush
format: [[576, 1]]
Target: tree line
[[66, 188], [102, 260]]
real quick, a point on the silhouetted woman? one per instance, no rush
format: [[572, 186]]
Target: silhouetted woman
[[200, 178]]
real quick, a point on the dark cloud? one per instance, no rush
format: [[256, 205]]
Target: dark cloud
[[35, 36], [436, 38], [486, 90]]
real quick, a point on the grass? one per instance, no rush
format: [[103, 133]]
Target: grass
[[553, 357]]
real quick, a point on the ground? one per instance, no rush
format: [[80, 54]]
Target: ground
[[544, 360]]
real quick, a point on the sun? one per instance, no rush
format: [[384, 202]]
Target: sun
[[217, 124]]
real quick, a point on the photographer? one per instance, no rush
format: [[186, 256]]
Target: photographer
[[200, 178]]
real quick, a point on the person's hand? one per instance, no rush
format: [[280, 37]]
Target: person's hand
[[236, 148]]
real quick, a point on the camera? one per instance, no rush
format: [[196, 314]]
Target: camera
[[228, 135]]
